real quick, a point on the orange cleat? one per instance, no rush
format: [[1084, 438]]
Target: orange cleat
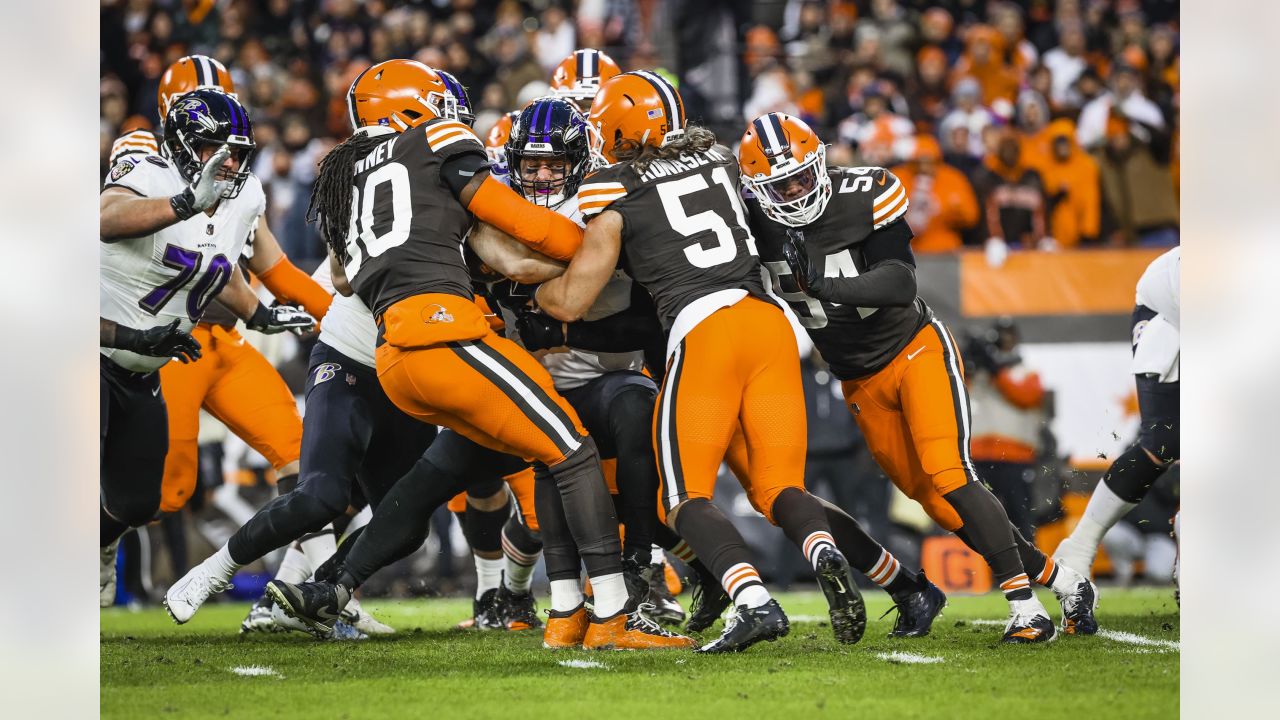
[[631, 632], [565, 629]]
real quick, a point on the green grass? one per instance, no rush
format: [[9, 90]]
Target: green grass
[[152, 668]]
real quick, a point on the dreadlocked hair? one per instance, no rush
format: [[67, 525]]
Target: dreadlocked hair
[[696, 139], [330, 206]]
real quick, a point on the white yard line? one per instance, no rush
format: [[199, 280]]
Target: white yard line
[[255, 671], [1134, 639], [808, 618], [908, 658], [582, 664]]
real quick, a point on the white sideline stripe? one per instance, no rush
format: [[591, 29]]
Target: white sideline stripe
[[255, 671], [569, 438], [990, 623], [808, 618], [908, 658], [1135, 639], [582, 664]]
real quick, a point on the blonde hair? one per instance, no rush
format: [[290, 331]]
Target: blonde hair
[[696, 139]]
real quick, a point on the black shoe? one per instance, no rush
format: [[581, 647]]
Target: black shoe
[[709, 601], [1078, 607], [486, 611], [259, 617], [317, 605], [917, 610], [519, 611], [848, 613], [666, 609], [748, 626], [635, 568], [1029, 628]]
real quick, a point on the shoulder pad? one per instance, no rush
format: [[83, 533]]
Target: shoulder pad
[[599, 190], [890, 201], [444, 133]]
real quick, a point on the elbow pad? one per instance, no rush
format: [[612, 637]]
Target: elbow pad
[[539, 228]]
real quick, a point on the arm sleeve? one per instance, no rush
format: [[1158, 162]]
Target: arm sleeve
[[890, 279], [461, 168], [288, 283], [539, 228]]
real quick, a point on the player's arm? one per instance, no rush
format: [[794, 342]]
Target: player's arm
[[124, 214], [890, 279], [161, 341], [491, 201], [510, 257], [338, 276], [569, 296], [241, 300], [282, 277]]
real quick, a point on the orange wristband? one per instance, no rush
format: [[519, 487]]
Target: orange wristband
[[541, 229], [290, 284]]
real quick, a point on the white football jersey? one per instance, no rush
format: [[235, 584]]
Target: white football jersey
[[176, 271], [348, 325], [1157, 343], [574, 368]]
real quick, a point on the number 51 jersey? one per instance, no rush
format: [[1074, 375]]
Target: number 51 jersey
[[176, 271], [684, 233], [855, 341]]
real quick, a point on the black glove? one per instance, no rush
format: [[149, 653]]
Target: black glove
[[204, 190], [159, 341], [806, 275], [538, 331], [280, 318]]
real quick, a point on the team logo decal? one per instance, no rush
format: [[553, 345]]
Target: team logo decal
[[157, 160], [121, 169], [198, 112], [440, 315], [208, 229], [654, 113], [326, 372]]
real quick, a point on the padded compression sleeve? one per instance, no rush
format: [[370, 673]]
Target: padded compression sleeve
[[541, 229], [290, 284], [890, 280]]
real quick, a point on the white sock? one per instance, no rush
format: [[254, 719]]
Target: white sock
[[488, 574], [753, 596], [518, 577], [358, 521], [657, 556], [744, 586], [319, 547], [1104, 510], [294, 568], [814, 544], [610, 594], [566, 595], [886, 569], [222, 564]]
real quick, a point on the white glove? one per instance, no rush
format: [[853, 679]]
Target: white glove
[[205, 190]]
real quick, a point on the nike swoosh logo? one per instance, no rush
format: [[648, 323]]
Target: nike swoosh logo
[[155, 392], [917, 352], [1029, 633], [883, 177]]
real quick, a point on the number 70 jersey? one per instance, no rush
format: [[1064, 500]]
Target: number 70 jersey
[[685, 231], [176, 271]]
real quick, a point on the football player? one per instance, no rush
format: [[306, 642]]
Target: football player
[[579, 76], [671, 204], [1156, 364], [170, 230], [394, 203], [837, 247]]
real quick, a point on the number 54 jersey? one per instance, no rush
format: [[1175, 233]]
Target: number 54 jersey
[[855, 341], [176, 271]]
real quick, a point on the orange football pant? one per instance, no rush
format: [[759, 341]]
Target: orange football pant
[[915, 416], [235, 384], [521, 485], [739, 367]]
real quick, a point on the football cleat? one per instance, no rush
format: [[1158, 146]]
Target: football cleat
[[518, 610], [666, 609], [259, 618], [186, 596], [107, 574], [284, 623], [344, 631], [486, 614], [635, 575], [709, 601], [1028, 623], [357, 617], [631, 631], [844, 601], [748, 626], [917, 610], [565, 629], [318, 605], [1078, 605]]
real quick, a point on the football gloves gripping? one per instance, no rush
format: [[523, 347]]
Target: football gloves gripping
[[270, 321]]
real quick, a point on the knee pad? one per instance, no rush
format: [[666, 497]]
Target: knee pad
[[1160, 438], [940, 456]]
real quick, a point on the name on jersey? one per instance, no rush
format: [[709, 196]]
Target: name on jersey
[[379, 155], [663, 168]]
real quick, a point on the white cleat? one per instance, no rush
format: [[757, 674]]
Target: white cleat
[[284, 622], [1028, 623], [186, 596], [359, 618], [1074, 554], [107, 574]]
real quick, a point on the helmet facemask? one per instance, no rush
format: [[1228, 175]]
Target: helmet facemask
[[795, 193]]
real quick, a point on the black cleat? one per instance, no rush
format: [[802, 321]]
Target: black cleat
[[709, 601], [518, 611], [486, 613], [1078, 607], [259, 617], [666, 609], [316, 605], [1029, 628], [635, 567], [748, 626], [848, 613], [917, 610]]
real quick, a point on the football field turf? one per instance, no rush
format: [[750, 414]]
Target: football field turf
[[152, 668]]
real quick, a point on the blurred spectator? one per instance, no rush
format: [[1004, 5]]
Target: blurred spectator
[[1008, 411], [1008, 21], [1071, 186], [969, 113], [555, 38], [984, 60], [1032, 118], [875, 129], [936, 27], [895, 36], [942, 200], [1126, 97], [1012, 196], [1066, 62], [1137, 184], [927, 91]]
